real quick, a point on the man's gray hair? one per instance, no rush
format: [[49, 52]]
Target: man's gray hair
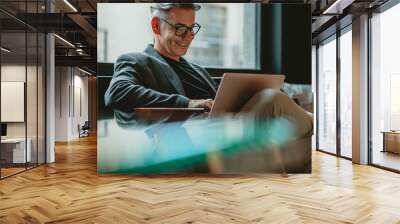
[[161, 10]]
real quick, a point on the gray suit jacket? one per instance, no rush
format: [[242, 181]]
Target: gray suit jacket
[[146, 80]]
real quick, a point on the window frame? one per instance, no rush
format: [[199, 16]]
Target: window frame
[[263, 55]]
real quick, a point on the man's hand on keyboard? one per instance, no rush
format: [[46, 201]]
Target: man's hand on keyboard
[[207, 104]]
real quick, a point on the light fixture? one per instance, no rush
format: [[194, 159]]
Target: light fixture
[[84, 71], [64, 40], [337, 7], [70, 5], [80, 51], [5, 50]]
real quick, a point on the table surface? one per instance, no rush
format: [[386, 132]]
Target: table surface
[[175, 146]]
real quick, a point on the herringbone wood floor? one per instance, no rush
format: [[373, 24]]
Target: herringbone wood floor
[[70, 191]]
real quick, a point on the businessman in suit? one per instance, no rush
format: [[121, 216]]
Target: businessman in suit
[[161, 77]]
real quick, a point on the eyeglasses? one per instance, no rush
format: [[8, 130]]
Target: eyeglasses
[[181, 30]]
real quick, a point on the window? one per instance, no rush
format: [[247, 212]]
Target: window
[[346, 94], [226, 38], [334, 106], [327, 96], [385, 84]]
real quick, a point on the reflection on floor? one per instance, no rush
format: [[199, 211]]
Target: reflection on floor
[[71, 191], [386, 159], [11, 169]]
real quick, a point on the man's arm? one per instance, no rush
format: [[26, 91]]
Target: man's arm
[[126, 90]]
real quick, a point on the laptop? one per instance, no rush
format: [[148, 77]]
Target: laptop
[[237, 88], [234, 91]]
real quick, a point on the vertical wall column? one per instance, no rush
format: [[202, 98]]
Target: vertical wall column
[[360, 90], [50, 92], [50, 98]]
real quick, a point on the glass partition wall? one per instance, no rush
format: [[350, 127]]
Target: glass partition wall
[[22, 87], [13, 89]]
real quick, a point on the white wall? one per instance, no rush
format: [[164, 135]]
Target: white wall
[[61, 103], [33, 126], [80, 100], [71, 94], [12, 73]]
